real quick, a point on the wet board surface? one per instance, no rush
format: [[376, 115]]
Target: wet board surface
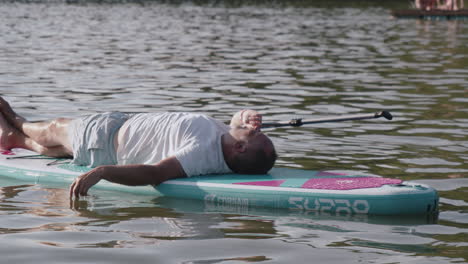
[[334, 192]]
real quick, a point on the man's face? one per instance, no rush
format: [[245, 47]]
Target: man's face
[[245, 133], [255, 139]]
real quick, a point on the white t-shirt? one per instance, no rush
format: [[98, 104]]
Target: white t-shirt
[[194, 139]]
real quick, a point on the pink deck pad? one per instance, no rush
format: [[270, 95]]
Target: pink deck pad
[[348, 183], [7, 152], [326, 173]]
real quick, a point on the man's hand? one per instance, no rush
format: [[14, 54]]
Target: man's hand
[[247, 118], [252, 119], [81, 185]]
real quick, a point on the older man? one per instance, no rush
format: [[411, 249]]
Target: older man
[[146, 148]]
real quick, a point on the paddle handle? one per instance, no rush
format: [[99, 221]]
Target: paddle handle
[[299, 122]]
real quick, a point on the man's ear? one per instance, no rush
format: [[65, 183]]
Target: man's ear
[[240, 146]]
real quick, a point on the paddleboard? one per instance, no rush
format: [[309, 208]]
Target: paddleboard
[[333, 192]]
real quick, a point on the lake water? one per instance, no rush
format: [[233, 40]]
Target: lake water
[[285, 60]]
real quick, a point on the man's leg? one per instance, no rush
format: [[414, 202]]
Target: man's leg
[[50, 135], [10, 138]]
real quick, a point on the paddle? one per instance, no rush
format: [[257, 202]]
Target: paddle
[[299, 122]]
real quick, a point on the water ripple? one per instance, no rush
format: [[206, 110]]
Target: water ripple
[[75, 59]]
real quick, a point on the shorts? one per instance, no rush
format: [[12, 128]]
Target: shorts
[[92, 138]]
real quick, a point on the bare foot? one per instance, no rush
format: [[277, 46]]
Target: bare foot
[[9, 136], [11, 116]]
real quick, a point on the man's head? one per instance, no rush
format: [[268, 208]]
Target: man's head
[[250, 151]]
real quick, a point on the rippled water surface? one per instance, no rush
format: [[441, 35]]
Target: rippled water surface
[[286, 61]]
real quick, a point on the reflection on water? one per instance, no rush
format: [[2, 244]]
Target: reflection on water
[[287, 60], [116, 220]]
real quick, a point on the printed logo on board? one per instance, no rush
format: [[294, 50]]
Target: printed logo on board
[[214, 202], [323, 205]]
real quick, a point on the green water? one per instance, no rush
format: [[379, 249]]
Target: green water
[[289, 59]]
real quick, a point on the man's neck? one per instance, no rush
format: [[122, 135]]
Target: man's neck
[[226, 146]]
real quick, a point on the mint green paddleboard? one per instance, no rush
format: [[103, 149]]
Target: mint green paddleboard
[[334, 192]]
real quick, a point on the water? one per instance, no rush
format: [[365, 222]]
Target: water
[[287, 61]]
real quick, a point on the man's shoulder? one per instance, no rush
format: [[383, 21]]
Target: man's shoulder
[[206, 122]]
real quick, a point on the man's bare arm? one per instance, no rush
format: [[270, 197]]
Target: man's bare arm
[[132, 175]]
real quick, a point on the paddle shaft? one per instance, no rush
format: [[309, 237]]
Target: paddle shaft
[[300, 122]]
